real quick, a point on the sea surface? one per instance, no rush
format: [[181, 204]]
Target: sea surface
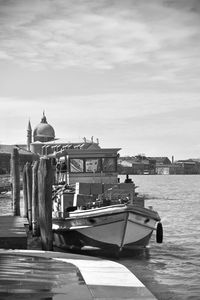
[[171, 270]]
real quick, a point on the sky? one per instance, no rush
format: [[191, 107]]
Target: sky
[[126, 72]]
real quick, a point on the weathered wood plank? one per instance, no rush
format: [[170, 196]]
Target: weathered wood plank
[[29, 192], [25, 194], [15, 181], [35, 208], [45, 180]]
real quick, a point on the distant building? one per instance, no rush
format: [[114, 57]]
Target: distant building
[[162, 160], [5, 155], [81, 157], [138, 164], [162, 165], [189, 166], [163, 169], [141, 164], [86, 156]]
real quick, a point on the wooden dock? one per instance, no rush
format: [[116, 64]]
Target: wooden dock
[[12, 232]]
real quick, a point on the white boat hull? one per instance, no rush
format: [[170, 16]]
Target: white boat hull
[[117, 227]]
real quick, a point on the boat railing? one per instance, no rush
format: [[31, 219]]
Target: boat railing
[[66, 200]]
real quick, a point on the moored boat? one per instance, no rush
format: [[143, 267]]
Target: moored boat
[[91, 208], [112, 225]]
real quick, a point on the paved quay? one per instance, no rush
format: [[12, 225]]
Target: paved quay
[[36, 274]]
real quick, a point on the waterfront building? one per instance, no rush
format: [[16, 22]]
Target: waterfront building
[[163, 169], [81, 158], [139, 164], [160, 160], [85, 156], [162, 165], [5, 155], [188, 166]]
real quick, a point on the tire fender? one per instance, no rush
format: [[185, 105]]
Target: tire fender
[[159, 233]]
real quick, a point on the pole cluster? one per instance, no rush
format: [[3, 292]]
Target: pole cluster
[[37, 180]]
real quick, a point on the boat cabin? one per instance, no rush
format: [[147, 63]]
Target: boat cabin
[[86, 165], [86, 176]]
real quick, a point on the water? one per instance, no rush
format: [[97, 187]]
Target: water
[[5, 205], [171, 270]]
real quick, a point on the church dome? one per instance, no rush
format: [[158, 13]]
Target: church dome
[[43, 132]]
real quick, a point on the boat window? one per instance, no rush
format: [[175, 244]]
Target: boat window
[[92, 165], [76, 165], [108, 164]]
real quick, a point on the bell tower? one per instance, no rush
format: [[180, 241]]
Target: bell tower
[[29, 135]]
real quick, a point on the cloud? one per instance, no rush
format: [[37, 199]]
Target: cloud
[[94, 34]]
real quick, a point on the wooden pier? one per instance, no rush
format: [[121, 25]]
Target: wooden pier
[[12, 228], [12, 232], [32, 210]]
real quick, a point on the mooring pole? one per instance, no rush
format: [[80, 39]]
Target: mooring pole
[[35, 208], [29, 192], [25, 196], [15, 180], [45, 179]]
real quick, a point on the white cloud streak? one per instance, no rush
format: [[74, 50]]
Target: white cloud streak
[[95, 34]]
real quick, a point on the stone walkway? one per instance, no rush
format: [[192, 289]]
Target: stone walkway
[[26, 274]]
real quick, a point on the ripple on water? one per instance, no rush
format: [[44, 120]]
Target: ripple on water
[[175, 264], [5, 204]]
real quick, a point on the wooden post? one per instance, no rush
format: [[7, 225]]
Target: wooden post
[[11, 176], [45, 179], [35, 208], [29, 192], [25, 196], [15, 182]]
